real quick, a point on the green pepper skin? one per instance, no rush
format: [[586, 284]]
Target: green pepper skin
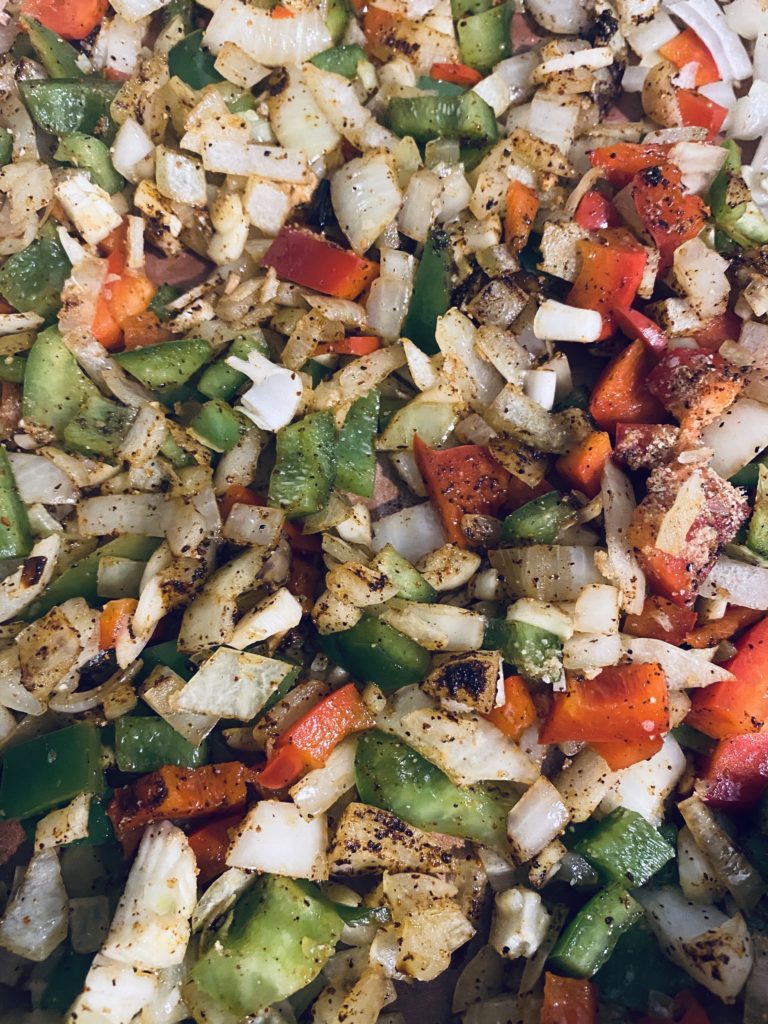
[[64, 105], [12, 369], [178, 9], [32, 280], [623, 847], [169, 364], [391, 775], [372, 651], [304, 465], [91, 155], [431, 292], [590, 938], [355, 452], [466, 117], [279, 939], [216, 426], [193, 64], [15, 533], [58, 57], [484, 38], [169, 656], [411, 585], [32, 785], [336, 19], [6, 147], [143, 744], [538, 521], [222, 381], [341, 60], [54, 385], [98, 428], [66, 981], [637, 966], [534, 652], [165, 293], [464, 8]]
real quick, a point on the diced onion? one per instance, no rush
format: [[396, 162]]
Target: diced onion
[[274, 837], [322, 787], [35, 921], [537, 818]]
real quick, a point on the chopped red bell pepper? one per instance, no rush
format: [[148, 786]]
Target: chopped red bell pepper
[[688, 48], [595, 212], [638, 326], [309, 742], [661, 619], [568, 1001], [124, 295], [610, 274], [726, 327], [582, 467], [737, 774], [210, 844], [354, 345], [115, 616], [71, 19], [699, 111], [694, 386], [622, 162], [380, 31], [461, 481], [522, 205], [618, 712], [621, 395], [740, 705], [457, 74], [311, 261], [518, 710], [710, 634], [685, 1010], [670, 215]]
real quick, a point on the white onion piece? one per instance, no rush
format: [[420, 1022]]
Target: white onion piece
[[15, 590], [231, 684], [322, 787], [737, 436], [366, 197], [274, 837], [36, 920], [684, 670], [583, 783], [114, 992], [549, 572], [38, 480], [273, 42], [707, 20], [568, 17], [64, 825], [749, 117], [739, 582], [620, 564], [413, 532], [643, 787], [537, 818]]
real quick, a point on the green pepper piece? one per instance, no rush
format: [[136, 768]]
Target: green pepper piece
[[484, 38], [222, 381], [355, 452], [93, 156], [441, 88], [168, 655], [391, 775], [304, 465], [277, 942], [58, 57], [175, 453], [538, 521], [431, 292], [757, 529], [590, 938], [178, 9], [6, 147], [411, 585], [336, 19], [373, 651], [475, 120], [50, 770], [534, 652], [170, 363], [341, 60], [424, 117], [216, 426], [637, 966], [464, 8], [99, 426], [12, 369], [625, 848], [143, 744], [54, 385], [165, 293], [576, 399], [62, 105], [349, 915], [66, 981], [192, 63], [15, 533], [100, 831], [79, 579], [32, 280]]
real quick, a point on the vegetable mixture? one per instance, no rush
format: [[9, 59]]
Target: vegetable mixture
[[383, 511]]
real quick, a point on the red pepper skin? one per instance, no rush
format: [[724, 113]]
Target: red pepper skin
[[638, 326], [609, 276], [661, 619], [285, 767], [737, 706], [462, 481], [568, 1001], [670, 215], [457, 74], [596, 212], [725, 327], [209, 844], [311, 261], [688, 48], [620, 163], [737, 773], [696, 109], [620, 394], [686, 1010]]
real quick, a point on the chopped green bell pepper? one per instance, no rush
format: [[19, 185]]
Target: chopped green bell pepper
[[99, 426], [91, 155], [484, 38], [731, 204], [216, 426], [431, 292], [58, 57], [336, 19], [411, 585], [66, 981], [32, 280], [192, 63], [15, 533], [100, 831], [304, 465], [349, 915], [6, 147], [55, 387], [143, 744], [373, 651], [538, 521], [434, 116], [165, 293], [12, 369], [534, 652], [168, 655], [278, 940], [64, 105], [757, 528], [341, 60], [625, 848], [178, 9], [168, 364], [391, 775], [355, 452], [636, 967], [428, 84], [222, 381], [590, 938], [50, 770], [463, 8]]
